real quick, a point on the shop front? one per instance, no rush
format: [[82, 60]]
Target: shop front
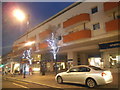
[[49, 63], [36, 63], [95, 61], [110, 54]]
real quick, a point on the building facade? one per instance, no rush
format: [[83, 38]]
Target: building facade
[[88, 34]]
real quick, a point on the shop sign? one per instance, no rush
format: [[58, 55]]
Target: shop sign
[[109, 45]]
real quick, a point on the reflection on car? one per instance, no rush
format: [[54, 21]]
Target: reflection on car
[[85, 74]]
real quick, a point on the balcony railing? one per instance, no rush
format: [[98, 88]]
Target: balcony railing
[[44, 33], [43, 45], [77, 35], [79, 18], [112, 25], [32, 38], [110, 6], [33, 47]]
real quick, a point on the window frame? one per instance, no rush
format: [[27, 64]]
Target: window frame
[[78, 69], [86, 69], [94, 10], [73, 71], [96, 26]]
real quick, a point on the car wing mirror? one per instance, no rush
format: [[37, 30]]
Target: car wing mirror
[[68, 71]]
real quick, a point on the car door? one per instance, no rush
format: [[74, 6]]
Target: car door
[[70, 75], [81, 74]]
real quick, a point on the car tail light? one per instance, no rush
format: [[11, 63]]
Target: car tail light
[[103, 74]]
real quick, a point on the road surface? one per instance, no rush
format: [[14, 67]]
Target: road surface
[[20, 84]]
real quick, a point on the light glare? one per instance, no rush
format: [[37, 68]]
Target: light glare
[[29, 43], [19, 14]]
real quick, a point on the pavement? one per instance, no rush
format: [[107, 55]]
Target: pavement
[[49, 80]]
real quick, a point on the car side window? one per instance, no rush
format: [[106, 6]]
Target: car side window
[[74, 70], [84, 69]]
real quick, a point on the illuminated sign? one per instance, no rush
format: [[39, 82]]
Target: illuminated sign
[[109, 45]]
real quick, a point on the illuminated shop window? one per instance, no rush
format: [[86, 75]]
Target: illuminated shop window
[[114, 61], [95, 61], [118, 17]]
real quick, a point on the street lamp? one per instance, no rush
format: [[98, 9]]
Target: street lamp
[[21, 16]]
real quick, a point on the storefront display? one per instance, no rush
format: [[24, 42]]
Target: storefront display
[[111, 54], [114, 61], [69, 64], [61, 66], [95, 61]]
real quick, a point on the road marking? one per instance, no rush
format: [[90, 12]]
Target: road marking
[[20, 85], [21, 82]]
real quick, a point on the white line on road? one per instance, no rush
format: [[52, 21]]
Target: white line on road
[[20, 85]]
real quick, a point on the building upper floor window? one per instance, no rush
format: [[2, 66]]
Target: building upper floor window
[[94, 10], [96, 26], [59, 25]]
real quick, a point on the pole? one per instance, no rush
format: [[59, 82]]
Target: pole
[[24, 71], [55, 59], [56, 67], [26, 41]]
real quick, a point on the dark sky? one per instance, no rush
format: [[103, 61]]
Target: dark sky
[[38, 11]]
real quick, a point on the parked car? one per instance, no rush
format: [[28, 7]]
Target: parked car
[[85, 74]]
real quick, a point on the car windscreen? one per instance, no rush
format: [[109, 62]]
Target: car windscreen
[[95, 68]]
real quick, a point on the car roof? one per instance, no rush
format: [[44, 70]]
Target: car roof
[[80, 66]]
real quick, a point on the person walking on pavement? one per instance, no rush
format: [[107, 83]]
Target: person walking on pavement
[[21, 71], [30, 71]]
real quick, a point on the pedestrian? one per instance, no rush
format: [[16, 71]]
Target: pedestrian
[[21, 71], [30, 71]]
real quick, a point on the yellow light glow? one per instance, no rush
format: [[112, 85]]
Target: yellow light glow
[[19, 14], [36, 69], [29, 43], [39, 56], [16, 66]]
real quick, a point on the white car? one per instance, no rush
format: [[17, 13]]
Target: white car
[[85, 74]]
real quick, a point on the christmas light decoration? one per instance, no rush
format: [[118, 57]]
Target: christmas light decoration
[[52, 43], [27, 55]]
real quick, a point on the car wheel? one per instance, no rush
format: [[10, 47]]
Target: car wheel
[[59, 80], [91, 83]]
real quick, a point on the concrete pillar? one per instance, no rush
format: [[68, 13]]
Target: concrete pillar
[[84, 59], [105, 58], [73, 56], [37, 42], [51, 66], [12, 68]]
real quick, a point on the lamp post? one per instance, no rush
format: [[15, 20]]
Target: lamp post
[[21, 16]]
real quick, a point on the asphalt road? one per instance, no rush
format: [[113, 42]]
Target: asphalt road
[[11, 83], [19, 84]]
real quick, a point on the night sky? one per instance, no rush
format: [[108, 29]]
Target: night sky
[[38, 11]]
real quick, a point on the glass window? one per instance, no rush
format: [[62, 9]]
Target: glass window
[[84, 69], [118, 17], [95, 68], [96, 26], [94, 10], [74, 70]]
